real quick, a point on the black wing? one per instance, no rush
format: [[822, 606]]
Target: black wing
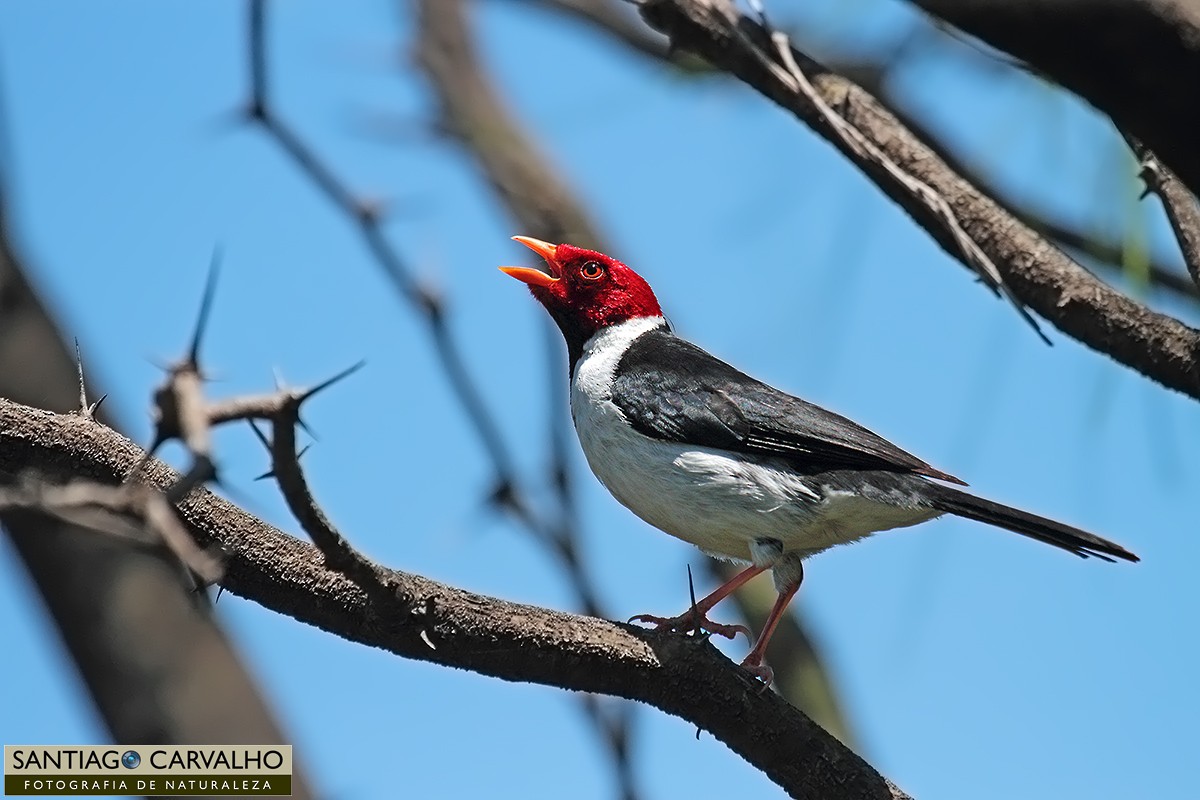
[[670, 389]]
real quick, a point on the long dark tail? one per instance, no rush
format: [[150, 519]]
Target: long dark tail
[[1073, 540]]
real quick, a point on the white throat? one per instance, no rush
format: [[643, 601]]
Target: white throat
[[597, 366]]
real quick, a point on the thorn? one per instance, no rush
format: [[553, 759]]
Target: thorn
[[271, 472], [280, 383], [202, 471], [425, 638], [210, 287], [83, 403], [304, 426], [221, 591], [304, 397], [159, 441], [691, 587], [96, 405], [262, 437]]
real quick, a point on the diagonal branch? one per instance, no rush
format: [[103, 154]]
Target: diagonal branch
[[1040, 275], [544, 207], [366, 218], [872, 74], [433, 622], [1178, 202]]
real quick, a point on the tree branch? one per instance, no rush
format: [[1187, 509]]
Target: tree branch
[[429, 621], [872, 74], [1136, 62], [157, 666], [1040, 275], [1182, 212]]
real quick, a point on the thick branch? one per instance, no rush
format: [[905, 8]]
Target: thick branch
[[1138, 62], [438, 623], [872, 73], [1040, 275]]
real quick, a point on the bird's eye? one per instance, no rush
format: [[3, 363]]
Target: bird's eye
[[591, 270]]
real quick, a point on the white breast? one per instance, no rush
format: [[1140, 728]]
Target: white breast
[[711, 498]]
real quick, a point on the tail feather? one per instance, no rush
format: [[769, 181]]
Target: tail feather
[[1071, 539]]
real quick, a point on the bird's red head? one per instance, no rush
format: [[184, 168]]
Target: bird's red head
[[584, 290]]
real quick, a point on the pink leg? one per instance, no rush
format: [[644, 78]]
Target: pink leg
[[754, 661], [696, 618]]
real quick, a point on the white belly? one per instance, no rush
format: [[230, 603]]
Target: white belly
[[711, 498]]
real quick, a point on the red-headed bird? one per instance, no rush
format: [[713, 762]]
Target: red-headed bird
[[716, 458]]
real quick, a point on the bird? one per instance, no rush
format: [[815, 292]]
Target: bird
[[738, 468]]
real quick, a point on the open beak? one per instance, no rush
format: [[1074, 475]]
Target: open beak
[[535, 277]]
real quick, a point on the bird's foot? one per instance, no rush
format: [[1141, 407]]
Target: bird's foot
[[755, 666], [692, 621]]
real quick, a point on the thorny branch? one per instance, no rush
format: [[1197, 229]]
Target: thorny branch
[[557, 532], [1040, 275], [787, 68], [425, 620], [1178, 201]]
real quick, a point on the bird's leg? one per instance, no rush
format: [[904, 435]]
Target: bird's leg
[[789, 573], [696, 617]]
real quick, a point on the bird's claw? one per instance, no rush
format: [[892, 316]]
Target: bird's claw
[[759, 670], [691, 622]]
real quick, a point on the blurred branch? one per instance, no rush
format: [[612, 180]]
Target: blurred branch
[[544, 207], [471, 110], [158, 667], [1042, 276], [558, 534], [1134, 61], [616, 18], [366, 217], [428, 621]]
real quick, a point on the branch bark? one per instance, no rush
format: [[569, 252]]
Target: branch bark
[[430, 621], [872, 72], [1180, 205], [1040, 275]]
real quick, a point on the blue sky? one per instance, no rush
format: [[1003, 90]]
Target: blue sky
[[969, 660]]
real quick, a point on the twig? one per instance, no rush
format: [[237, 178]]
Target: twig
[[283, 411], [367, 219], [872, 73], [1042, 276], [861, 146], [1178, 201]]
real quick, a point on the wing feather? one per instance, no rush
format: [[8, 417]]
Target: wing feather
[[671, 389]]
